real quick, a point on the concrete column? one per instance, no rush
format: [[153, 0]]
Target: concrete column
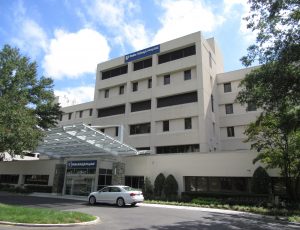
[[118, 171]]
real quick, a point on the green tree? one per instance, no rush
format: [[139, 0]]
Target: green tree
[[159, 184], [148, 189], [260, 182], [171, 187], [275, 86], [27, 103]]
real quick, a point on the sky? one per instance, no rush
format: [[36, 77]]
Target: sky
[[68, 38]]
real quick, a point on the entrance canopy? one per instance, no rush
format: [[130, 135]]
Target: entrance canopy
[[81, 140]]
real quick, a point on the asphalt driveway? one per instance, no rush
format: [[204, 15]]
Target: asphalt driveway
[[146, 217]]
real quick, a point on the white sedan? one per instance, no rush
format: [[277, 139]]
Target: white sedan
[[117, 194]]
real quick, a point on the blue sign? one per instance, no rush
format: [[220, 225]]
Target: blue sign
[[142, 53], [82, 164]]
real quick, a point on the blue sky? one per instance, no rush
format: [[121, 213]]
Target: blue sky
[[67, 38]]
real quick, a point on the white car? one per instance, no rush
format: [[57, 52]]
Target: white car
[[117, 194]]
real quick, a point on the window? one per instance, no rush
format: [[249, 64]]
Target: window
[[142, 64], [167, 79], [102, 130], [230, 131], [110, 111], [187, 75], [177, 99], [149, 83], [140, 106], [9, 179], [134, 86], [116, 131], [165, 126], [188, 123], [80, 114], [114, 72], [174, 55], [106, 93], [251, 107], [229, 108], [121, 89], [212, 102], [60, 117], [91, 112], [135, 181], [104, 178], [178, 149], [227, 87], [70, 116], [140, 128], [36, 179], [210, 60]]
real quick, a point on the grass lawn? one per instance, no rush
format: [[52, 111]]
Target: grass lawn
[[18, 214], [291, 215]]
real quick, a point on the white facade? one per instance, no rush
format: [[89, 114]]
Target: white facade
[[177, 103]]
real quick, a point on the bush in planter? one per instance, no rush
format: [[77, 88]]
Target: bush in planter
[[159, 184], [260, 182], [148, 189], [171, 188]]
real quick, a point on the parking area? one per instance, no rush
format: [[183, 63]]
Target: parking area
[[144, 217]]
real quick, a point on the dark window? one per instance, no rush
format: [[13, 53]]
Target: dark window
[[36, 179], [80, 114], [104, 178], [116, 131], [142, 64], [110, 111], [135, 181], [70, 116], [121, 89], [60, 117], [251, 106], [165, 126], [177, 99], [167, 79], [102, 130], [188, 123], [174, 55], [178, 149], [229, 108], [142, 148], [140, 128], [212, 102], [230, 131], [227, 87], [106, 93], [141, 105], [210, 60], [134, 86], [91, 112], [149, 83], [114, 72], [187, 75], [9, 179]]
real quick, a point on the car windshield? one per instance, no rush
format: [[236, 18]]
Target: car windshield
[[127, 188]]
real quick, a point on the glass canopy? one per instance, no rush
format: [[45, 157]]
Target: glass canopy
[[81, 140]]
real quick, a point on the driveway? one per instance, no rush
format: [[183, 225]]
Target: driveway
[[146, 216]]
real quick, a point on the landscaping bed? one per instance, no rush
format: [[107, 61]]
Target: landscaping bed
[[18, 214]]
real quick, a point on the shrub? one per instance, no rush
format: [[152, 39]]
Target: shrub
[[171, 187], [148, 189], [260, 182], [159, 184]]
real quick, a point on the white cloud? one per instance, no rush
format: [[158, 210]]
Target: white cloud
[[76, 95], [118, 16], [73, 54], [182, 17]]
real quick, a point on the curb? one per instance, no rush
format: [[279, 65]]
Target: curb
[[52, 225]]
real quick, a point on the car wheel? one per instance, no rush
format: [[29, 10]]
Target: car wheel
[[120, 202], [92, 200], [133, 204]]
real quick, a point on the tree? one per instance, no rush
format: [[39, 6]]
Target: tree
[[159, 184], [171, 187], [148, 189], [275, 86], [27, 103], [260, 181]]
